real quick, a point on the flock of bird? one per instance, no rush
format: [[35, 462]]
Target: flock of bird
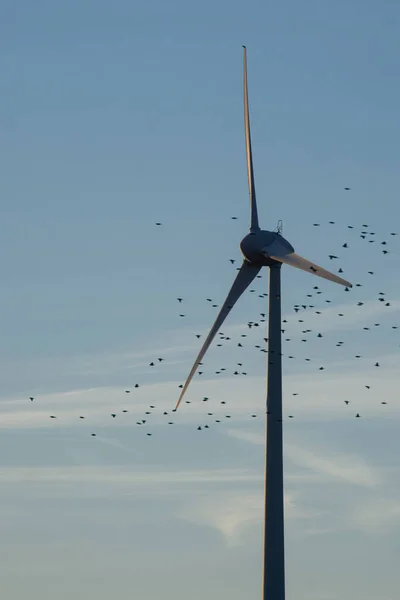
[[313, 303]]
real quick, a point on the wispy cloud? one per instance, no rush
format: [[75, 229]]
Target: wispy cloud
[[233, 513], [246, 436], [230, 514], [319, 396], [123, 475], [353, 316], [347, 468], [329, 319], [377, 515]]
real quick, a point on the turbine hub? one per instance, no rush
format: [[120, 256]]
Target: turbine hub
[[255, 244]]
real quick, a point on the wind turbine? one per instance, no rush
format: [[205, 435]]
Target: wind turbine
[[261, 248]]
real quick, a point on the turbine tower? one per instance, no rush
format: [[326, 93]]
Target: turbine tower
[[261, 248]]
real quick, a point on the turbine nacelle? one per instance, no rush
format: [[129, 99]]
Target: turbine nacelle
[[258, 247]]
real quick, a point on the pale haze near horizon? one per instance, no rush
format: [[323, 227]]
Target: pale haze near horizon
[[115, 117]]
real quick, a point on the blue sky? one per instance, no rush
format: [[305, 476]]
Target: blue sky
[[115, 116]]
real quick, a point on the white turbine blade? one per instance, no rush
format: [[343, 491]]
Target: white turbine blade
[[295, 260], [250, 174], [244, 277]]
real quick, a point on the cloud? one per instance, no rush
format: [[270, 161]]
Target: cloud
[[328, 319], [233, 513], [353, 316], [344, 467], [123, 475], [347, 468], [377, 515], [319, 397], [247, 436], [229, 513], [130, 360]]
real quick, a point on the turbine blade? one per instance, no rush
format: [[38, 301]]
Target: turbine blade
[[295, 260], [243, 279], [250, 173]]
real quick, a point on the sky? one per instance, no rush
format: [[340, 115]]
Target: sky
[[115, 116]]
